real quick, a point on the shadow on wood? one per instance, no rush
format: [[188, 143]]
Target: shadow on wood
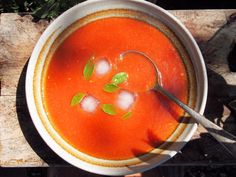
[[28, 128], [218, 53]]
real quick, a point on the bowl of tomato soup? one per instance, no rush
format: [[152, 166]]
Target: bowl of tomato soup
[[89, 86]]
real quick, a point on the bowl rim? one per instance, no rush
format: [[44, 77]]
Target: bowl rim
[[59, 150]]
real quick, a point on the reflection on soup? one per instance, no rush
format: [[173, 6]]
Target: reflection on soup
[[103, 105]]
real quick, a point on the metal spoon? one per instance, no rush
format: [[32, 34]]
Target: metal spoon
[[227, 140]]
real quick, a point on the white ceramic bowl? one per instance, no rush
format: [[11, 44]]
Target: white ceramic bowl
[[149, 13]]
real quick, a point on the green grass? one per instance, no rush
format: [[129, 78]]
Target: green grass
[[40, 9]]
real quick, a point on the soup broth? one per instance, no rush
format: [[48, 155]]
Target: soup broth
[[104, 105]]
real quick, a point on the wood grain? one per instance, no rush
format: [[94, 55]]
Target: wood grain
[[21, 145]]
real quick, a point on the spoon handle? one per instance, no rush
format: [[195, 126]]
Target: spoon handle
[[223, 137]]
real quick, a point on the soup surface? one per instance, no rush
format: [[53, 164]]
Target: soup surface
[[104, 105]]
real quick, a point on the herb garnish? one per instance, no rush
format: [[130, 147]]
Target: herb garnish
[[88, 69], [119, 78], [127, 115], [110, 88], [77, 98], [109, 109]]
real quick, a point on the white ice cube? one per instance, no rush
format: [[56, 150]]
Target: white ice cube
[[102, 67], [125, 99], [89, 104]]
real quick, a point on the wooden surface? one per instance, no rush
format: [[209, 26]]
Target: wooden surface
[[21, 145]]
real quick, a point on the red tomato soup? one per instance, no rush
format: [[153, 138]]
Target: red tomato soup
[[129, 119]]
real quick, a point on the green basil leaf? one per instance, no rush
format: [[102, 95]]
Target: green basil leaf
[[119, 78], [88, 69], [109, 109], [110, 88], [77, 99], [127, 115]]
